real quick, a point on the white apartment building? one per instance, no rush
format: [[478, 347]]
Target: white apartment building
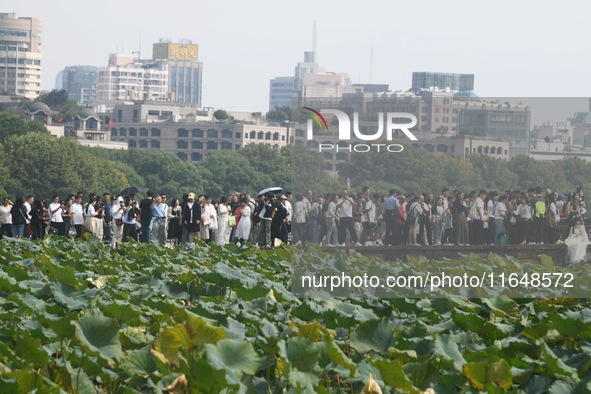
[[126, 78], [20, 56]]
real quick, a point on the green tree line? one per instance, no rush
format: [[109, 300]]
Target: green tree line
[[35, 162]]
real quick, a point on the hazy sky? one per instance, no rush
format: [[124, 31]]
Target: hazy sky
[[515, 48]]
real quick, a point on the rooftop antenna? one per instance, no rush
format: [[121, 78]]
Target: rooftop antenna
[[139, 51], [371, 65]]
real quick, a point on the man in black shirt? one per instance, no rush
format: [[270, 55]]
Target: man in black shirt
[[146, 206]]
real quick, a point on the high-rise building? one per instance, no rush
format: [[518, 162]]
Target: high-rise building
[[80, 83], [20, 56], [185, 72], [443, 81], [280, 92], [126, 78]]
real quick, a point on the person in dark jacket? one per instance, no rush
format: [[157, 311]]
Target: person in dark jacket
[[277, 221], [19, 215], [191, 217]]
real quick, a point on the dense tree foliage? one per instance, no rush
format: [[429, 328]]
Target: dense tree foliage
[[12, 125], [418, 171], [64, 109], [35, 162]]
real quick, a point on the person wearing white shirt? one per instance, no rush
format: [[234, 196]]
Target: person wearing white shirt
[[208, 220], [117, 210], [344, 211], [6, 218], [331, 238], [523, 211], [500, 215], [77, 216], [491, 214], [478, 222], [222, 236], [55, 210], [287, 225]]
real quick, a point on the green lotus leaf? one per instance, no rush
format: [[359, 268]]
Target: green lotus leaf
[[139, 363], [394, 376], [236, 358], [446, 346], [482, 373], [191, 335], [99, 334], [374, 335]]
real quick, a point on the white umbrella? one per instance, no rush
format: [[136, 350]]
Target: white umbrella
[[269, 189]]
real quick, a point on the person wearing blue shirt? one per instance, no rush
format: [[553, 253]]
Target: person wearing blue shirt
[[158, 222], [391, 205]]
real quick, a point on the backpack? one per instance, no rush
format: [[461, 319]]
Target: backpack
[[254, 216], [131, 214], [540, 208], [410, 214], [551, 217]]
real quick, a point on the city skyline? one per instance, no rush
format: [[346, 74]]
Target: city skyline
[[244, 45]]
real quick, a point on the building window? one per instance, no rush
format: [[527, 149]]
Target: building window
[[155, 144], [122, 132], [260, 135], [282, 138], [211, 133], [183, 133], [226, 145], [182, 145], [236, 147], [143, 144], [275, 136], [237, 135], [182, 156], [499, 151], [197, 133], [253, 135], [155, 132], [131, 144], [212, 145], [197, 145], [479, 149], [113, 132], [268, 135], [226, 134], [328, 155], [485, 150], [196, 156], [341, 156]]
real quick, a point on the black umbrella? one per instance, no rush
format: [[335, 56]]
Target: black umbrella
[[269, 189], [133, 190]]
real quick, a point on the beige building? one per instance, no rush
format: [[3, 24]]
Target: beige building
[[20, 56], [185, 72], [193, 141]]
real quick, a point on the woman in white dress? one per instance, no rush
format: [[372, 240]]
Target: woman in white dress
[[221, 238], [208, 220], [243, 226], [577, 241]]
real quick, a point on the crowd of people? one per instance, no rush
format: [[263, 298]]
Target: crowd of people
[[362, 219]]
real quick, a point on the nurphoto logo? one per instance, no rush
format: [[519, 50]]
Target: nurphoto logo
[[394, 121]]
